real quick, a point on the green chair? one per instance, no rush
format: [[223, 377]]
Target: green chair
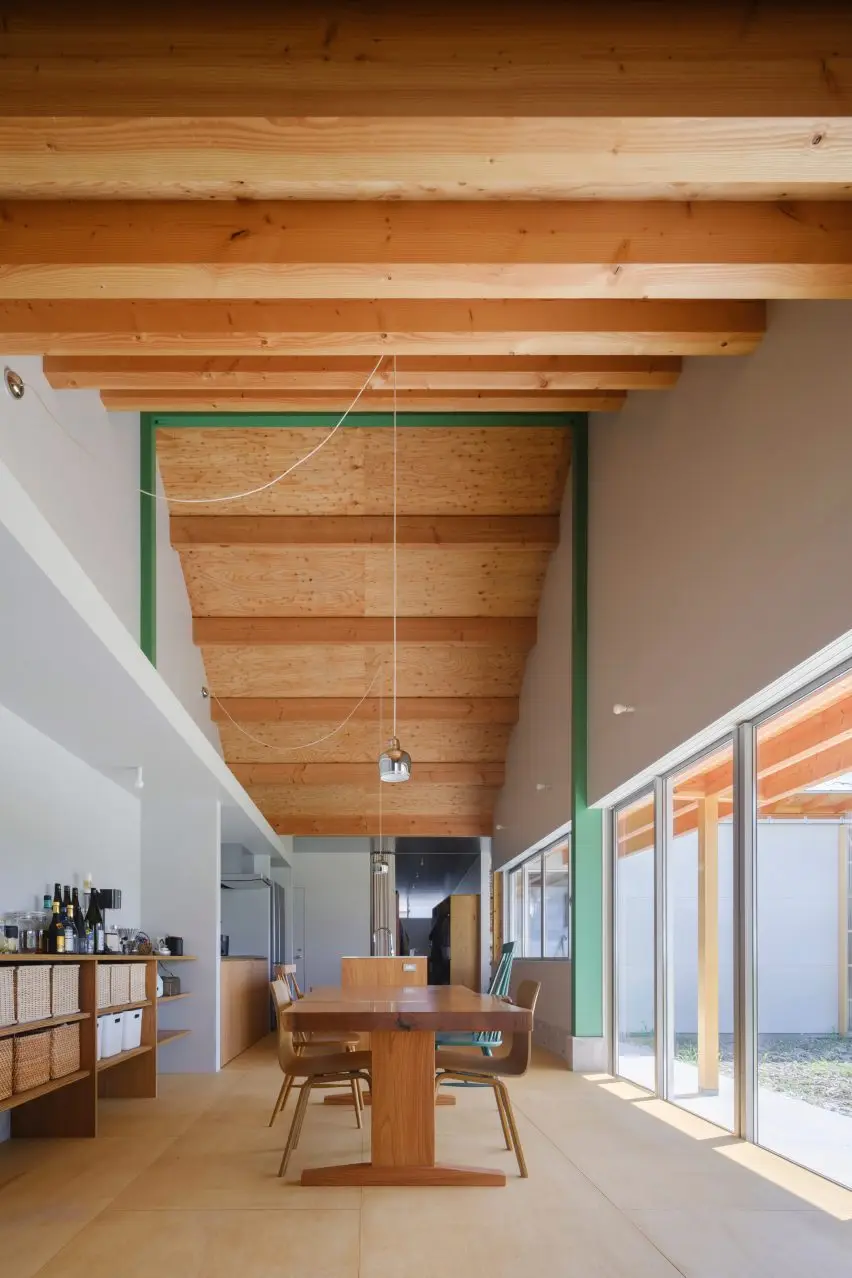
[[487, 1040]]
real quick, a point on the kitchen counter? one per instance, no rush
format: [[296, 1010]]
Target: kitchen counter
[[244, 1004]]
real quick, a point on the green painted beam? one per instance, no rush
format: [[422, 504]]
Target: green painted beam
[[148, 537], [587, 823], [211, 421]]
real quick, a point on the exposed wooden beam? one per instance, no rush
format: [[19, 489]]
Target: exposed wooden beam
[[358, 824], [264, 401], [359, 741], [531, 531], [586, 249], [515, 632], [778, 154], [822, 766], [304, 373], [406, 327], [335, 709], [366, 774]]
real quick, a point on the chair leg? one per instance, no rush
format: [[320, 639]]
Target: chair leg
[[281, 1100], [293, 1134], [510, 1115], [359, 1094], [357, 1103], [507, 1135], [306, 1093]]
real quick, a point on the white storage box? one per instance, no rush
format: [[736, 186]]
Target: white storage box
[[111, 1034], [100, 1029], [131, 1030]]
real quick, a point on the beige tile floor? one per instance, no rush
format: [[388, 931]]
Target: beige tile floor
[[620, 1184]]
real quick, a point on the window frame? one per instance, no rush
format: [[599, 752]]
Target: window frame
[[517, 873]]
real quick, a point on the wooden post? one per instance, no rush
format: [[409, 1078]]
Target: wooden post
[[708, 945], [843, 929]]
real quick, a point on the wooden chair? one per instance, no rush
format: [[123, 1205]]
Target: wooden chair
[[315, 1069], [286, 972], [491, 1070]]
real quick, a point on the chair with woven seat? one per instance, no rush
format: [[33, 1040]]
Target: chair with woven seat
[[314, 1068], [486, 1040], [490, 1072]]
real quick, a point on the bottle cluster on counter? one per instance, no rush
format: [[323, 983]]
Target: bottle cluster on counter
[[63, 926]]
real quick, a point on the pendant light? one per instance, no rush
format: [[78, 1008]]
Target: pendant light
[[394, 763]]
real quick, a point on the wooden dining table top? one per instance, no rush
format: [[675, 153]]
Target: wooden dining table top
[[409, 1007]]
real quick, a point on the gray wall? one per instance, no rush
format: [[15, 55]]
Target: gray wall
[[335, 874], [540, 744], [719, 538]]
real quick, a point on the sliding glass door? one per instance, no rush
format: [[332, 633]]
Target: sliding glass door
[[635, 941]]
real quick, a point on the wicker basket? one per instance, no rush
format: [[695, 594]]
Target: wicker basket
[[33, 992], [119, 984], [104, 989], [65, 989], [32, 1061], [6, 1057], [64, 1050], [7, 996], [138, 988]]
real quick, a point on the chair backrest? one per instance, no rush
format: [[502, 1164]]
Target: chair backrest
[[499, 987], [520, 1052], [281, 1001]]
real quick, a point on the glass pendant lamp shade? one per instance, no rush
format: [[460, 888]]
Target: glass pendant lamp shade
[[394, 763]]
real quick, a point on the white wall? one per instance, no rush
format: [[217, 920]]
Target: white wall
[[181, 896], [797, 936], [552, 1023], [719, 532], [335, 874], [540, 744], [60, 819]]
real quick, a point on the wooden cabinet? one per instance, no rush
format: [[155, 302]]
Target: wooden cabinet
[[378, 970], [454, 953], [244, 1005]]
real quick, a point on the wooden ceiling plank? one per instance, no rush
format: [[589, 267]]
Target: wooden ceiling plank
[[460, 373], [531, 531], [360, 740], [414, 327], [323, 709], [824, 765], [461, 773], [443, 799], [361, 824], [369, 250], [619, 156], [265, 401], [281, 631]]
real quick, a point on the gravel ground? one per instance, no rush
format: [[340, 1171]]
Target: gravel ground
[[813, 1068]]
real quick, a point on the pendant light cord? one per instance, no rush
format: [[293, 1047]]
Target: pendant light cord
[[394, 546]]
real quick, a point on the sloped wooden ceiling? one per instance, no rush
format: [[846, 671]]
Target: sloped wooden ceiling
[[292, 599], [538, 210]]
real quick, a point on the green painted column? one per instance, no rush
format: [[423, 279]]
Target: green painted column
[[587, 824], [148, 537]]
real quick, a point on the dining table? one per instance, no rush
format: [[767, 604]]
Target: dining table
[[402, 1023]]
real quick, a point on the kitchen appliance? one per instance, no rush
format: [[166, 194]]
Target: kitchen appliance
[[224, 946], [253, 918], [175, 945]]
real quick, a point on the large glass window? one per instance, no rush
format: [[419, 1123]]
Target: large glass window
[[635, 940], [803, 766], [540, 904], [700, 899]]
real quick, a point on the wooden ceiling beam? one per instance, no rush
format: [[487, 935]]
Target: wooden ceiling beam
[[335, 709], [779, 154], [539, 532], [412, 327], [366, 774], [266, 401], [359, 824], [822, 766], [514, 632], [298, 374], [372, 250]]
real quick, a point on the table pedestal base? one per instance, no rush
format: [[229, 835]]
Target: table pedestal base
[[367, 1174]]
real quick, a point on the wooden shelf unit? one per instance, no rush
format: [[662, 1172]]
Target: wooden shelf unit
[[69, 1106], [173, 998]]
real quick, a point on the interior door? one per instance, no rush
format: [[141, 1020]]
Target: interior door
[[299, 937]]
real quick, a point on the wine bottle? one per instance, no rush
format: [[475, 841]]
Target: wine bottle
[[56, 931], [83, 930], [57, 896], [96, 922], [70, 930]]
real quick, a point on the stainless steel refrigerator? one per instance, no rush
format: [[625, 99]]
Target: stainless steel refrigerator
[[253, 917]]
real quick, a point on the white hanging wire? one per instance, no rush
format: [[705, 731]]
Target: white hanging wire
[[306, 745], [381, 747], [261, 488], [28, 386], [394, 546]]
